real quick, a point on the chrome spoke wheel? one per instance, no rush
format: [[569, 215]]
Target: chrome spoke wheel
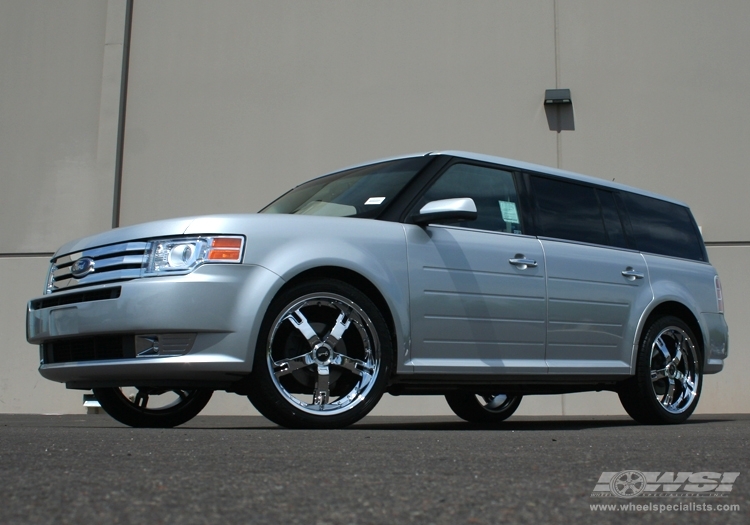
[[674, 369], [334, 349], [667, 381], [326, 356]]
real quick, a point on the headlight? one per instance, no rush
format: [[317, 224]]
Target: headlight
[[183, 255]]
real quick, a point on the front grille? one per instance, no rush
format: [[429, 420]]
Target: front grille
[[79, 297], [88, 349], [105, 264]]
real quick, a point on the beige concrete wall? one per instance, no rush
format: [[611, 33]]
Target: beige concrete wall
[[659, 90], [231, 103], [51, 58], [729, 391], [22, 389], [58, 123]]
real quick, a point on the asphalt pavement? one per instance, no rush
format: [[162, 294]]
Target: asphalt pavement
[[390, 470]]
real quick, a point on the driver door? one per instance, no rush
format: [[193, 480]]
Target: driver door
[[477, 288]]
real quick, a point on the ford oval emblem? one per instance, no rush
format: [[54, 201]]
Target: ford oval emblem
[[82, 267]]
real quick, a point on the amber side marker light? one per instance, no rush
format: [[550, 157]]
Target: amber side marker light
[[225, 249]]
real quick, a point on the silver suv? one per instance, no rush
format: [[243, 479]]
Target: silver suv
[[477, 278]]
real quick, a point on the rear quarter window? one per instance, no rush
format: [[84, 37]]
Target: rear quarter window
[[663, 228]]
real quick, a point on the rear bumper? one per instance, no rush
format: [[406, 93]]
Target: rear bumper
[[718, 343]]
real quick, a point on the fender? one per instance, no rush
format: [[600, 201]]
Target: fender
[[694, 299], [289, 245]]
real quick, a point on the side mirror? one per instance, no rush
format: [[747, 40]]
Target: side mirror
[[461, 209]]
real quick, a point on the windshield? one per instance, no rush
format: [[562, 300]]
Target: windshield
[[362, 192]]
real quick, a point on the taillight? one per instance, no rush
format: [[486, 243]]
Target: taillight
[[719, 295]]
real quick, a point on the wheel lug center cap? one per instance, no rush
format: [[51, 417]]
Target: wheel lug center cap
[[322, 353], [671, 369]]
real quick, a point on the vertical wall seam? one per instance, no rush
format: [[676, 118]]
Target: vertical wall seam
[[558, 138], [557, 45], [557, 80], [117, 198]]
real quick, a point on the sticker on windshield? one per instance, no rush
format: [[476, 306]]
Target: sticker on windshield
[[374, 200], [509, 211]]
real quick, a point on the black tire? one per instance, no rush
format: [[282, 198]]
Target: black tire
[[668, 374], [132, 408], [313, 328], [482, 409]]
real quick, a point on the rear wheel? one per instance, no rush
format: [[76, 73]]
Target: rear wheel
[[152, 407], [485, 409], [324, 356], [667, 382]]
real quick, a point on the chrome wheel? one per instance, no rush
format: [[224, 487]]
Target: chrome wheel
[[674, 370], [152, 407], [667, 381], [339, 359], [324, 357], [483, 408]]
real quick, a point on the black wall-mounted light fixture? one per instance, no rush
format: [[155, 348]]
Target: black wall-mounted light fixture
[[558, 106], [557, 96]]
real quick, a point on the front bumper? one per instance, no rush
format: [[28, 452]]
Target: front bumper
[[219, 306]]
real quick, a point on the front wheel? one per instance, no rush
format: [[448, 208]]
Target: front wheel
[[484, 409], [667, 382], [323, 357], [152, 407]]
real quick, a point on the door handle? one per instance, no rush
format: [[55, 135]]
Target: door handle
[[521, 262], [631, 274]]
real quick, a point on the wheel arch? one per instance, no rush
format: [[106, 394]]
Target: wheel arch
[[679, 310], [355, 279]]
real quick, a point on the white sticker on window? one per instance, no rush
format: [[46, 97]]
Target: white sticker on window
[[374, 200], [509, 211]]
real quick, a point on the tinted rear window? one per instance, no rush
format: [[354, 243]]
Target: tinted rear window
[[569, 211], [663, 228]]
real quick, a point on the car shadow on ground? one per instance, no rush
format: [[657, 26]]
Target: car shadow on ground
[[448, 423], [515, 424], [406, 423]]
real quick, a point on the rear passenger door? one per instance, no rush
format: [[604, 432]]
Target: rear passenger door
[[596, 286]]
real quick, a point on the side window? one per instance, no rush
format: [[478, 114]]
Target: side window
[[612, 220], [492, 190], [566, 210], [663, 227]]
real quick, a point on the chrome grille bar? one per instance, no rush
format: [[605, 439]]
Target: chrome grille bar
[[116, 262]]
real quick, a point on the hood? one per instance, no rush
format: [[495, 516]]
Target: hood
[[272, 228], [147, 230]]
